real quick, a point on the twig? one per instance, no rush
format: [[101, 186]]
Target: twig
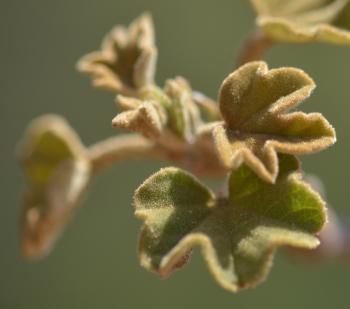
[[121, 147], [254, 48]]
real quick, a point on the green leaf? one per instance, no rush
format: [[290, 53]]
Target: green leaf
[[127, 60], [299, 21], [238, 235], [57, 172], [172, 203], [295, 206], [254, 104]]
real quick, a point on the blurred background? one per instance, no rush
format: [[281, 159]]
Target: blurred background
[[95, 264]]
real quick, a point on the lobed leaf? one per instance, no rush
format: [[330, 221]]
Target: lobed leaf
[[300, 21], [238, 235], [57, 172], [254, 104], [127, 60]]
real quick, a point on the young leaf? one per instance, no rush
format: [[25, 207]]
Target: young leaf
[[238, 234], [184, 116], [146, 117], [254, 103], [127, 60], [172, 110], [57, 172], [208, 107], [299, 21]]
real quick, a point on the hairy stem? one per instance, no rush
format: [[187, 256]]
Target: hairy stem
[[254, 48], [131, 146], [119, 148]]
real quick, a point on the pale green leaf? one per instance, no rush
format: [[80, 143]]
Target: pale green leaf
[[300, 21], [57, 172], [255, 104]]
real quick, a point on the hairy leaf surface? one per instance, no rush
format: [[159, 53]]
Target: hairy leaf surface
[[238, 235], [127, 59], [255, 104], [161, 111]]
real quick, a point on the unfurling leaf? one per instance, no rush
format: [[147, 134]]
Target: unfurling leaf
[[299, 21], [158, 112], [127, 60], [254, 104], [238, 234], [184, 116], [57, 171], [208, 107], [146, 117]]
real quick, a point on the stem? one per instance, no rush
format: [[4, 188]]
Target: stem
[[346, 243], [254, 48], [335, 239], [131, 146], [118, 148]]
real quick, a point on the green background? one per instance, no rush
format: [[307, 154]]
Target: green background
[[95, 264]]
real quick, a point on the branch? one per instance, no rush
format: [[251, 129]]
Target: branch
[[198, 158], [119, 148], [254, 48]]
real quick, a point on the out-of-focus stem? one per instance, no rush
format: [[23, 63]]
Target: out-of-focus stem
[[254, 48], [131, 146], [334, 241], [119, 148]]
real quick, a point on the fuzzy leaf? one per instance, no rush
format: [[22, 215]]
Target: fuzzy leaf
[[57, 172], [184, 116], [208, 107], [144, 117], [300, 21], [238, 234], [127, 60], [254, 103], [160, 112]]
